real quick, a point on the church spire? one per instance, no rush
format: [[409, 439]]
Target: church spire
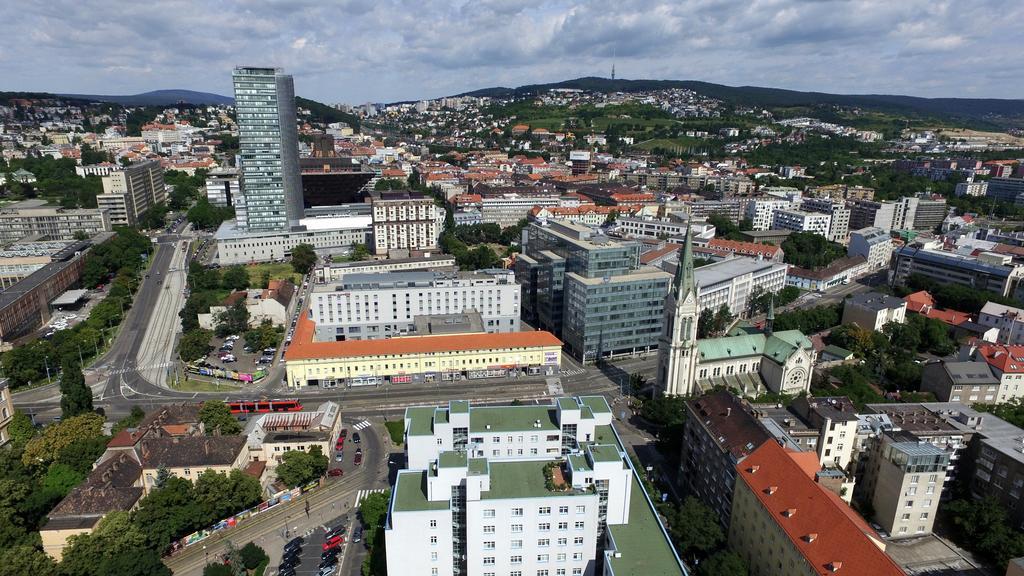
[[769, 322], [683, 282]]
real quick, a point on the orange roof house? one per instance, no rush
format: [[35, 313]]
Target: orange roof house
[[922, 303]]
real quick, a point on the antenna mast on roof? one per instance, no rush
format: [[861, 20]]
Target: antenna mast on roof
[[613, 63]]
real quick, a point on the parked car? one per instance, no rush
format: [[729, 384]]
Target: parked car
[[357, 534], [334, 542], [296, 542], [358, 458], [355, 438], [335, 472], [327, 570], [343, 434], [328, 553]]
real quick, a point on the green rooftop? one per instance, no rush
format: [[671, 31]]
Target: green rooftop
[[604, 453], [568, 404], [604, 435], [459, 406], [452, 459], [641, 543], [421, 420], [440, 416], [597, 404], [777, 347], [579, 462], [836, 351], [411, 494], [523, 479], [477, 466], [512, 419]]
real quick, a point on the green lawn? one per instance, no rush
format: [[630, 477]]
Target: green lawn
[[194, 385], [671, 143], [277, 271]]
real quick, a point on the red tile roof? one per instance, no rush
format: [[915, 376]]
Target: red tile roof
[[652, 255], [1003, 358], [922, 303], [304, 348], [748, 248], [801, 508]]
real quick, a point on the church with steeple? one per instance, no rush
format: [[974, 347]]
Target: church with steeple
[[751, 362]]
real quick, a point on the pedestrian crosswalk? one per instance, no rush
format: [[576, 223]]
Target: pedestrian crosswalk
[[364, 493], [573, 372], [363, 424]]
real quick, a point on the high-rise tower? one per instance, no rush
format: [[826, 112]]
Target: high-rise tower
[[268, 150], [677, 347]]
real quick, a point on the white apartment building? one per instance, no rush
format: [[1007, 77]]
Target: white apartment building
[[1009, 321], [101, 169], [508, 209], [664, 228], [404, 220], [800, 221], [521, 490], [36, 217], [872, 310], [979, 188], [372, 306], [839, 224], [326, 235], [732, 281], [131, 192], [222, 187], [874, 244], [761, 212]]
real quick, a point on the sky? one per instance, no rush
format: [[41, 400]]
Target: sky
[[356, 51]]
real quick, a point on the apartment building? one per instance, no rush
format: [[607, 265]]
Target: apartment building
[[1005, 189], [972, 188], [326, 235], [839, 216], [672, 227], [872, 310], [871, 214], [749, 249], [784, 523], [903, 479], [372, 306], [335, 271], [718, 434], [732, 281], [507, 209], [1008, 319], [874, 244], [987, 271], [1006, 364], [761, 212], [801, 221], [540, 490], [37, 218], [404, 220], [129, 193]]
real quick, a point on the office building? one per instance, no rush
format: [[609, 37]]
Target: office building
[[987, 271], [129, 193], [731, 282], [903, 481], [335, 271], [222, 187], [972, 188], [332, 180], [328, 235], [870, 214], [719, 432], [784, 523], [508, 208], [20, 259], [580, 161], [922, 212], [801, 221], [380, 305], [840, 271], [404, 220], [961, 381], [431, 358], [38, 219], [538, 490], [1009, 320], [1005, 189], [669, 228], [761, 212], [590, 289], [874, 244], [872, 310], [841, 192], [839, 216], [268, 150]]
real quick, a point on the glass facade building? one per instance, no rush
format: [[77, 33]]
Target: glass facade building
[[268, 150]]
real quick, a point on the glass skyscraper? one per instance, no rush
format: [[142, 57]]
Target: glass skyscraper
[[268, 150]]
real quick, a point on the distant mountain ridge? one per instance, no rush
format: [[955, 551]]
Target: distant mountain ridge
[[969, 108], [158, 98]]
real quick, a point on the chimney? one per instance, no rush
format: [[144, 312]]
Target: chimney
[[789, 513], [753, 469], [835, 566], [811, 537], [771, 490]]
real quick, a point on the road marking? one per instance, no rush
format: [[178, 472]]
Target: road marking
[[364, 493], [363, 424]]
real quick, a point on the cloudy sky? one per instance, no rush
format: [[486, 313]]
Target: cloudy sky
[[385, 50]]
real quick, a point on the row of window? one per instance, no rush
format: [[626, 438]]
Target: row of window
[[541, 558], [518, 544], [541, 527]]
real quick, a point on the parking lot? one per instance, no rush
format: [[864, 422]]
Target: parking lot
[[244, 359], [66, 317]]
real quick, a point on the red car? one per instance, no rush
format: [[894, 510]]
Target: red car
[[358, 458], [335, 472], [343, 435], [334, 542]]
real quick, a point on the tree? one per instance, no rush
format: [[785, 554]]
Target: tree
[[359, 253], [25, 559], [723, 563], [194, 344], [115, 536], [298, 468], [235, 278], [217, 569], [218, 419], [810, 250], [252, 555], [694, 528], [21, 429], [233, 320], [144, 562], [169, 513], [43, 449], [222, 494], [132, 420], [76, 397], [372, 511], [265, 335], [162, 476], [303, 258], [389, 184]]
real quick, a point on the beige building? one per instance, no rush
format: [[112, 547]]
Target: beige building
[[903, 481], [130, 193], [271, 436], [37, 218], [6, 412], [784, 523], [872, 311], [404, 220]]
